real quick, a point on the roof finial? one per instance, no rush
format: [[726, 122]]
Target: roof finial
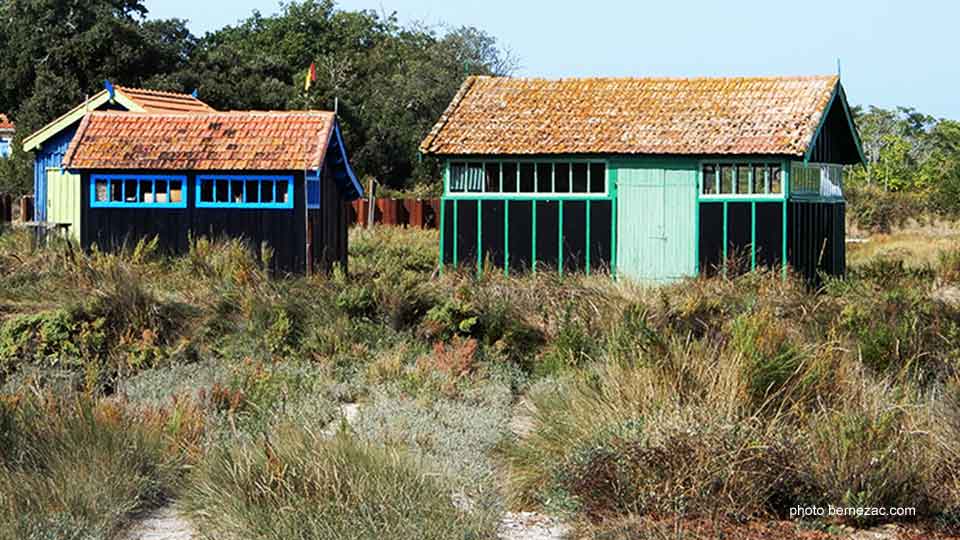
[[109, 87], [196, 93], [838, 67]]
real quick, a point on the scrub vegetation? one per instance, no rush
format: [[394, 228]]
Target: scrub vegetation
[[709, 404]]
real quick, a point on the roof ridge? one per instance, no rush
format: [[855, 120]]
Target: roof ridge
[[156, 92], [666, 78], [212, 113]]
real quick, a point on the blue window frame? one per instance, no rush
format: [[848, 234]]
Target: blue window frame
[[224, 191], [4, 148], [138, 190], [313, 191]]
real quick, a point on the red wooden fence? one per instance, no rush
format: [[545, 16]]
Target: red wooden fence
[[419, 213]]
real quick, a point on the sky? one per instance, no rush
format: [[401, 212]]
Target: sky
[[890, 52]]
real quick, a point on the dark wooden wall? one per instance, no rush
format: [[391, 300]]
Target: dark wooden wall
[[816, 239], [769, 236], [835, 142], [284, 230], [327, 227], [494, 240]]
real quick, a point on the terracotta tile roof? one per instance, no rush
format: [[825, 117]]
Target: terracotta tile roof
[[759, 115], [5, 123], [227, 141], [157, 102]]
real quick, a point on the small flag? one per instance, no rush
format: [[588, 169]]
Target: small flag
[[311, 76]]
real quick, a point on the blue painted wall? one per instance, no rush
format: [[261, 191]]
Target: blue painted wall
[[50, 154]]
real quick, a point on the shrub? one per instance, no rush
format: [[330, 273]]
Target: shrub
[[295, 484]]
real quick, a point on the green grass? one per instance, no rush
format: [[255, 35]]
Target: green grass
[[296, 483], [732, 398], [78, 468]]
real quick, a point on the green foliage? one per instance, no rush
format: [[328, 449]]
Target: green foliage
[[391, 82], [907, 152]]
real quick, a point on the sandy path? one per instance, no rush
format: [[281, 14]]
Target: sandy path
[[161, 524]]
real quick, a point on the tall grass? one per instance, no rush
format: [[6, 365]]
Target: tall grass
[[296, 483], [78, 468], [713, 397]]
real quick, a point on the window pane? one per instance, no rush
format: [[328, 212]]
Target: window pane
[[776, 185], [282, 193], [561, 177], [458, 173], [236, 191], [743, 179], [146, 191], [222, 193], [526, 177], [579, 178], [492, 177], [253, 191], [709, 180], [759, 182], [116, 191], [161, 196], [544, 178], [176, 191], [475, 177], [102, 189], [726, 179], [266, 191], [206, 191], [598, 178], [130, 190], [509, 177]]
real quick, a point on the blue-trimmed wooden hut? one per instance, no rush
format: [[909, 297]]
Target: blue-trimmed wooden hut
[[280, 179]]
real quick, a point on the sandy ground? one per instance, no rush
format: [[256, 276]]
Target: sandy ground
[[161, 524]]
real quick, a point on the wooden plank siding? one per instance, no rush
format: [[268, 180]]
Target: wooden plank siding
[[283, 230]]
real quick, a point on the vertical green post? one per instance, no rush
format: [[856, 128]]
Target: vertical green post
[[724, 234], [753, 232], [479, 237], [506, 237], [443, 210], [612, 188], [587, 251], [456, 216], [696, 222], [560, 241], [533, 236]]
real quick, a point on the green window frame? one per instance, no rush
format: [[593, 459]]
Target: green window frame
[[527, 178], [741, 179]]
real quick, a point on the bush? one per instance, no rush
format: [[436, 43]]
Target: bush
[[876, 210], [294, 483]]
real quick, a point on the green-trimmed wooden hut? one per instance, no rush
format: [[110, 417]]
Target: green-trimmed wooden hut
[[652, 178]]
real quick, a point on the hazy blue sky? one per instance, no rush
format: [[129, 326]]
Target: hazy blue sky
[[892, 53]]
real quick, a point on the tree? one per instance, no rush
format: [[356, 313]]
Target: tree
[[56, 52]]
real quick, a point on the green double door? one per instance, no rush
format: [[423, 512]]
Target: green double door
[[657, 221]]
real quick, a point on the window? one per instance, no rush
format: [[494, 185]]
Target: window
[[746, 179], [118, 190], [533, 178], [816, 179], [709, 180], [245, 191], [466, 178]]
